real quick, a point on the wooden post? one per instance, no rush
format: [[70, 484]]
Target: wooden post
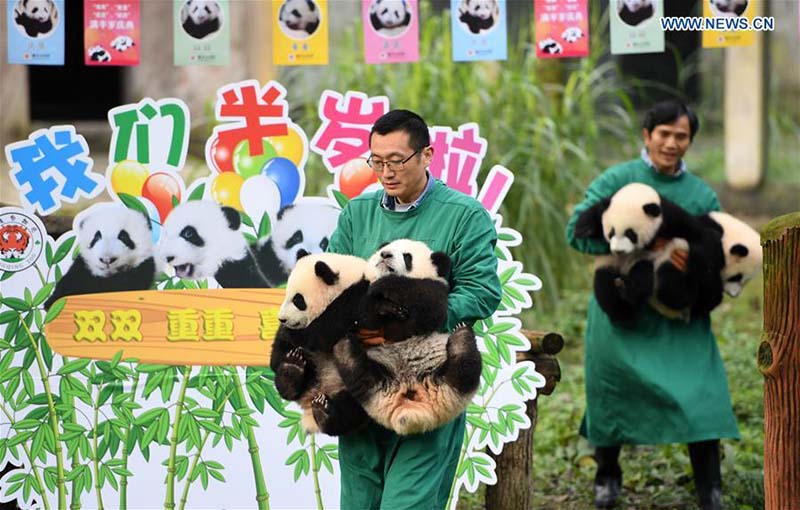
[[779, 361], [514, 487]]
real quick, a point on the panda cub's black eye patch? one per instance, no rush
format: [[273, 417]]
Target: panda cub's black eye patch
[[299, 302], [296, 238], [735, 278], [611, 233], [630, 234], [191, 236], [95, 239], [407, 258], [125, 239], [295, 13], [324, 244]]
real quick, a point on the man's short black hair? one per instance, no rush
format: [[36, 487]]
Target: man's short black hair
[[407, 121], [667, 112]]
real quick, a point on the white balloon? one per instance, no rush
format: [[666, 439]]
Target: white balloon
[[259, 195]]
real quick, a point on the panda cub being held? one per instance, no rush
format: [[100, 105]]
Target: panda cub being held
[[659, 254], [116, 253], [419, 378], [323, 293], [741, 245]]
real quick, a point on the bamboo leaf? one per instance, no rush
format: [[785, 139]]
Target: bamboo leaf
[[43, 294], [131, 202], [8, 316], [55, 310], [16, 304], [264, 227], [217, 475], [74, 366], [340, 198], [197, 193], [62, 250]]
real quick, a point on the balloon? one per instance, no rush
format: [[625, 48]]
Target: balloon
[[290, 146], [286, 176], [128, 177], [247, 165], [155, 222], [160, 188], [355, 176], [226, 188], [260, 195], [222, 155]]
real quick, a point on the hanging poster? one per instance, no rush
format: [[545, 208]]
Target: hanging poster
[[635, 26], [391, 31], [300, 32], [202, 32], [562, 28], [479, 30], [35, 32], [111, 32]]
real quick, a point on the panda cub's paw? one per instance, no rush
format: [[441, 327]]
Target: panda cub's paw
[[461, 341], [392, 310], [321, 402], [295, 357]]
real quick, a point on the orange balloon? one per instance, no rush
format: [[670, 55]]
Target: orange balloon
[[225, 189], [290, 146], [355, 176], [160, 188]]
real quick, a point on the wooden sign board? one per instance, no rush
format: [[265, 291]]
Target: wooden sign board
[[170, 327]]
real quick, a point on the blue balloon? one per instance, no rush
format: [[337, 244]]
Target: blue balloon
[[286, 176]]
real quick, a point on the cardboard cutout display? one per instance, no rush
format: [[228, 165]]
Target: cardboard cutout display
[[134, 348]]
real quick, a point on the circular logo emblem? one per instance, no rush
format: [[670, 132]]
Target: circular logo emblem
[[21, 239]]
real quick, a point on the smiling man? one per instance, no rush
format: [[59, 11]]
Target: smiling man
[[662, 381], [379, 468]]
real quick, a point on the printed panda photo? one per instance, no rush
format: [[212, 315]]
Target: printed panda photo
[[478, 16], [98, 54], [36, 18], [299, 19], [201, 19], [389, 18], [550, 46], [635, 12], [728, 8]]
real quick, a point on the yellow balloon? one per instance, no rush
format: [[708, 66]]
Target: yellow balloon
[[289, 146], [225, 189], [128, 177]]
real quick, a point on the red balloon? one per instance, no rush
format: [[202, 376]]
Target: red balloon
[[159, 188], [355, 176], [222, 155]]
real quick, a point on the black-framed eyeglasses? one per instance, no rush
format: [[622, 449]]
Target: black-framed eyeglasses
[[395, 165]]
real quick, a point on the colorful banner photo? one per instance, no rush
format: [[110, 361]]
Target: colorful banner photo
[[300, 32], [479, 30], [728, 9], [391, 31], [138, 340], [111, 32], [202, 32], [562, 28], [635, 26], [35, 32]]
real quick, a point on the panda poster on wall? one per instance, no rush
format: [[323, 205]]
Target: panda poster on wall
[[111, 33], [391, 31], [479, 30], [300, 32], [635, 26], [35, 32], [729, 9], [139, 340], [202, 32], [562, 28]]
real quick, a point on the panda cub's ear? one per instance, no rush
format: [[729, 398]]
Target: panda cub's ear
[[652, 209], [442, 263], [739, 250], [325, 273], [590, 222], [232, 215]]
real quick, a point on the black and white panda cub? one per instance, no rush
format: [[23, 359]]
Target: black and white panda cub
[[200, 18], [644, 232], [322, 301], [633, 12], [478, 15], [116, 253], [201, 239], [36, 16], [741, 245], [419, 379]]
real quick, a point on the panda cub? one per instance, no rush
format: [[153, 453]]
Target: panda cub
[[419, 379], [201, 239], [390, 17], [99, 54], [741, 246], [36, 16], [645, 232], [478, 15], [300, 16], [200, 18], [633, 12], [549, 46], [322, 297], [116, 253]]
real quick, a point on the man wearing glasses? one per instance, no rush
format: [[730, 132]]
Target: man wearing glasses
[[380, 469]]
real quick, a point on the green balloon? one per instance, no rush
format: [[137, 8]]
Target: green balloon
[[246, 165]]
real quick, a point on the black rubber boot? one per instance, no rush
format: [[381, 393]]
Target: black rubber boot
[[608, 480], [707, 477]]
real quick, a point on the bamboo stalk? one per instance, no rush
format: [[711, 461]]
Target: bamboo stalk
[[169, 503], [95, 458], [315, 473], [262, 496], [30, 459], [123, 479]]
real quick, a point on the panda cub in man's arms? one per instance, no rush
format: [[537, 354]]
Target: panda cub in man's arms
[[419, 379], [116, 253], [322, 297], [741, 246]]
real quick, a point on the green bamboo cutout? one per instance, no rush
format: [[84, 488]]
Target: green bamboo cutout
[[30, 459], [75, 503], [95, 457], [262, 496], [169, 503], [123, 479], [315, 471], [62, 491]]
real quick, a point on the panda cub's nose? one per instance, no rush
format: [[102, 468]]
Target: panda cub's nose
[[108, 260], [386, 254]]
